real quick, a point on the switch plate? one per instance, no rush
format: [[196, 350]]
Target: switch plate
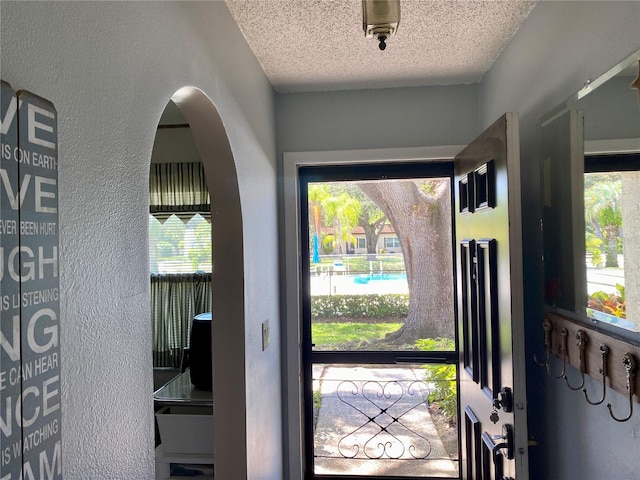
[[265, 334]]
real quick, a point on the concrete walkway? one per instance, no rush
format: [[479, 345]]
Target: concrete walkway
[[378, 419]]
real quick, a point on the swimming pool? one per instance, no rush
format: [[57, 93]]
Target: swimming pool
[[378, 277]]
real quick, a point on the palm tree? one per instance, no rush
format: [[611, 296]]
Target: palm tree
[[330, 204], [343, 210], [603, 212], [317, 196]]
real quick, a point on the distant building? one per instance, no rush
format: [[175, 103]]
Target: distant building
[[388, 241]]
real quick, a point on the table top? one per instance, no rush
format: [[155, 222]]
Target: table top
[[180, 391]]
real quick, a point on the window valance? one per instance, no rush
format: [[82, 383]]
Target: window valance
[[178, 188]]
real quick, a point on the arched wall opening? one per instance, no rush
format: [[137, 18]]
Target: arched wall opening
[[227, 283]]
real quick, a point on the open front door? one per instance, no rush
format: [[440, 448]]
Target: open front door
[[490, 306]]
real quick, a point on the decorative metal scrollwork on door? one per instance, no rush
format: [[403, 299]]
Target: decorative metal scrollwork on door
[[385, 428]]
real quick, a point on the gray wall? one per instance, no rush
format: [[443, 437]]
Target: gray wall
[[383, 118], [560, 46], [110, 68], [611, 111]]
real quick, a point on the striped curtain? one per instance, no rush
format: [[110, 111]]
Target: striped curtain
[[178, 188], [175, 300]]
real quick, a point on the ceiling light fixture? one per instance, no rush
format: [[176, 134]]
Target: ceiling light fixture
[[380, 19]]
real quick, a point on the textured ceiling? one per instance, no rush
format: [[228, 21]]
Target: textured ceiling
[[316, 45]]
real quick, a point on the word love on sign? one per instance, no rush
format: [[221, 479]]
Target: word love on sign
[[30, 436]]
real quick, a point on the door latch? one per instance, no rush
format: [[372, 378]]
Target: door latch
[[504, 402]]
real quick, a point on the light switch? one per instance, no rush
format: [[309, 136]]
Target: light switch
[[265, 334]]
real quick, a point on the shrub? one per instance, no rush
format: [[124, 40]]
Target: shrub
[[594, 247], [359, 306], [443, 376], [611, 303]]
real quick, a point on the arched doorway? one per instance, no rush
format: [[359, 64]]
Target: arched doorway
[[228, 330]]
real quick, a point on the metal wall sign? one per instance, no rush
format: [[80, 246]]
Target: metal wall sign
[[30, 407], [10, 367]]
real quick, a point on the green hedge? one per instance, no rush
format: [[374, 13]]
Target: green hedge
[[359, 306]]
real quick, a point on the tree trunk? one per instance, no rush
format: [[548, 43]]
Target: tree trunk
[[372, 232], [337, 236], [610, 234], [422, 223]]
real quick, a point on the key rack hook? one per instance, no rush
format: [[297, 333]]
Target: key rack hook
[[547, 327], [604, 354], [564, 351], [629, 363], [581, 342]]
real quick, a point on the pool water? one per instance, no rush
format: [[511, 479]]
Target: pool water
[[378, 277]]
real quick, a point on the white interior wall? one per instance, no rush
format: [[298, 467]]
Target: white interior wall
[[559, 47], [110, 68]]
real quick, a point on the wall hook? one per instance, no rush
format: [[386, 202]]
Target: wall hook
[[604, 353], [564, 351], [581, 342], [547, 327], [629, 363]]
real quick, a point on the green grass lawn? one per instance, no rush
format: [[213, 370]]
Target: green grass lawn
[[335, 334]]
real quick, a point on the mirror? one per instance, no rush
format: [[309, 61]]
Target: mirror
[[590, 153]]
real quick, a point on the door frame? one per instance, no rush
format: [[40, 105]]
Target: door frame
[[292, 379]]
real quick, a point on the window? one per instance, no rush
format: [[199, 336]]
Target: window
[[391, 242], [361, 243], [177, 246], [611, 219]]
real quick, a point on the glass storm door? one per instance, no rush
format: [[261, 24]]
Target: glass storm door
[[379, 341], [489, 305]]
